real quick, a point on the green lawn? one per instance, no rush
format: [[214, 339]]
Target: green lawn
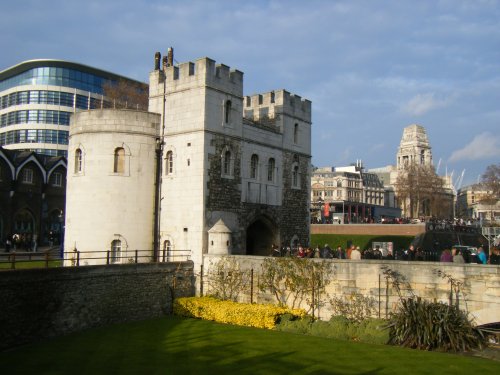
[[23, 264], [173, 345]]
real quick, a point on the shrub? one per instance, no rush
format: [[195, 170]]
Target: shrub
[[354, 306], [373, 331], [301, 326], [338, 329], [243, 314], [433, 326]]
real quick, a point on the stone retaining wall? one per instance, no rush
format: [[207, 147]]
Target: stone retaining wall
[[42, 303], [480, 290]]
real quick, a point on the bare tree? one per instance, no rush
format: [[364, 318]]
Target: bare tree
[[421, 191], [490, 184], [125, 94]]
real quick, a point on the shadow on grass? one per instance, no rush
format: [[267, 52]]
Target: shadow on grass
[[173, 345]]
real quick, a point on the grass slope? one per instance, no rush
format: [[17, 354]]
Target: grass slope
[[173, 345]]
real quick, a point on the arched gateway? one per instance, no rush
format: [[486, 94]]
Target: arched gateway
[[261, 235]]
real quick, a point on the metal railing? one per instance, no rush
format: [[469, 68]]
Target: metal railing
[[47, 259]]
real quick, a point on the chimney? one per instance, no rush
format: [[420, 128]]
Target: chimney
[[170, 56], [157, 60]]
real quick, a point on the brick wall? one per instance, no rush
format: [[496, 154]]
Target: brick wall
[[42, 303]]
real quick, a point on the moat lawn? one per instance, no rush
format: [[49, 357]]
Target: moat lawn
[[173, 345]]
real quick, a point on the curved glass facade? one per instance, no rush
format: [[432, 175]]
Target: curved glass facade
[[54, 76], [35, 116], [49, 97], [36, 108]]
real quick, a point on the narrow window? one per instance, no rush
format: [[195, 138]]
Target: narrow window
[[295, 176], [339, 183], [170, 163], [119, 164], [296, 134], [78, 160], [57, 179], [28, 176], [270, 170], [116, 249], [227, 163], [167, 251], [254, 163], [227, 112]]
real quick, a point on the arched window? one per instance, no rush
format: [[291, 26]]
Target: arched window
[[78, 160], [270, 169], [227, 167], [295, 176], [254, 166], [116, 250], [296, 134], [119, 162], [169, 167], [339, 183], [167, 251], [227, 112]]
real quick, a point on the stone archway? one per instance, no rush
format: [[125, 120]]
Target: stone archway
[[260, 237]]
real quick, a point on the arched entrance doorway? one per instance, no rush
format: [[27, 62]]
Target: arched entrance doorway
[[260, 238]]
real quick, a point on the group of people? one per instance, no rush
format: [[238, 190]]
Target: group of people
[[411, 254], [455, 255], [326, 252], [23, 241]]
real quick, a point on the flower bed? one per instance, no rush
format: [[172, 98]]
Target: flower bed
[[242, 314]]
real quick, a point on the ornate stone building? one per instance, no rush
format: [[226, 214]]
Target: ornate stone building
[[32, 195], [415, 154], [205, 163]]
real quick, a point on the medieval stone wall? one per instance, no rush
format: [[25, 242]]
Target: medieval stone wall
[[42, 303], [479, 293]]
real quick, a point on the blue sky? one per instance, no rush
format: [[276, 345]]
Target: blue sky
[[369, 67]]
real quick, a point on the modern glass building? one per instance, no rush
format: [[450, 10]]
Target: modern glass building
[[38, 96]]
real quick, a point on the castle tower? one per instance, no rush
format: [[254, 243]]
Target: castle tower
[[414, 147], [248, 171], [110, 185]]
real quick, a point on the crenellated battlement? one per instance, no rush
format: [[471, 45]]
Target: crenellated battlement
[[271, 104], [202, 72]]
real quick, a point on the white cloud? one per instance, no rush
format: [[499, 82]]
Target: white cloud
[[423, 103], [483, 146]]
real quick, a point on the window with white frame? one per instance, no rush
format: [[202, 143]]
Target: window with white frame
[[295, 176], [78, 161], [116, 250], [254, 166], [169, 167], [227, 112], [57, 179], [27, 176], [271, 165], [227, 163]]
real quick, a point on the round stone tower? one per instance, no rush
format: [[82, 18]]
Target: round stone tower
[[110, 185]]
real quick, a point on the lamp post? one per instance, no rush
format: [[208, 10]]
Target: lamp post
[[156, 228]]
